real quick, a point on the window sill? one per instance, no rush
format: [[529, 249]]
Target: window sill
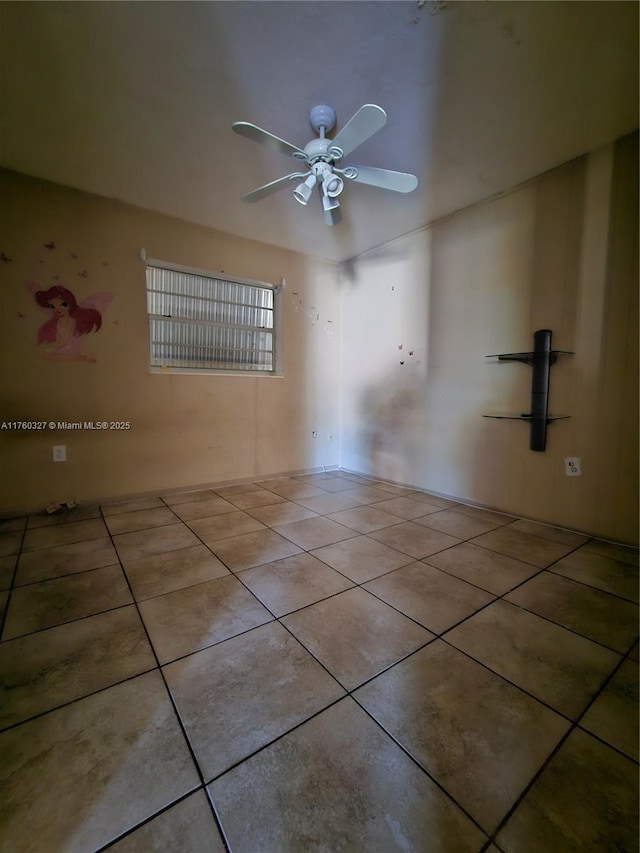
[[262, 374]]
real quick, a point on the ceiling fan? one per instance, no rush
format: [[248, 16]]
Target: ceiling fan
[[321, 155]]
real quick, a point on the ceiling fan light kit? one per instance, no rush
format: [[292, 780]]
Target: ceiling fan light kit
[[321, 156]]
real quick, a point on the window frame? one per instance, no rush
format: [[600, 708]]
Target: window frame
[[275, 372]]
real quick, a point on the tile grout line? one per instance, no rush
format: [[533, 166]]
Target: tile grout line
[[147, 820], [574, 725], [415, 761], [14, 574], [172, 701], [348, 692]]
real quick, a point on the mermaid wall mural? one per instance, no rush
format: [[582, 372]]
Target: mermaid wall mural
[[64, 332], [70, 318]]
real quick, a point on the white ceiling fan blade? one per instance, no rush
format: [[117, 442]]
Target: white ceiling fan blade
[[400, 182], [368, 120], [257, 134], [273, 187]]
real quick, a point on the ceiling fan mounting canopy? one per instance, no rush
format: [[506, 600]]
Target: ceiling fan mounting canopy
[[321, 156], [322, 117]]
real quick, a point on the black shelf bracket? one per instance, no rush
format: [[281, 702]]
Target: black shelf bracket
[[540, 360]]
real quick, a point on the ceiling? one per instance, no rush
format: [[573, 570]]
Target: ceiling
[[135, 101]]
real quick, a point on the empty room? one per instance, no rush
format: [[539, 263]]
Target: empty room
[[319, 426]]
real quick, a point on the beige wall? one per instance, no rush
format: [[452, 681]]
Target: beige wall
[[186, 430], [559, 253]]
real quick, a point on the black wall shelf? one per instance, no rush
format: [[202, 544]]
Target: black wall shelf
[[540, 360]]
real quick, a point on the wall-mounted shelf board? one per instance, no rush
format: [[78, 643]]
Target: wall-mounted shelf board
[[540, 359]]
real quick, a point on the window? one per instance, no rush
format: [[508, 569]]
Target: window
[[200, 321]]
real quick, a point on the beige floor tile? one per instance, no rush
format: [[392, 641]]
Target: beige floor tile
[[414, 539], [10, 543], [585, 799], [365, 494], [613, 717], [434, 500], [319, 478], [431, 597], [162, 573], [126, 522], [356, 478], [7, 568], [553, 664], [281, 513], [292, 583], [365, 519], [347, 786], [13, 525], [63, 534], [601, 617], [315, 532], [53, 602], [393, 489], [45, 670], [623, 553], [294, 489], [355, 635], [601, 572], [236, 489], [80, 776], [65, 560], [131, 506], [485, 514], [269, 682], [478, 736], [523, 546], [214, 505], [456, 523], [143, 543], [362, 558], [188, 827], [64, 516], [330, 502], [195, 617], [249, 500], [253, 549], [334, 484], [217, 527], [487, 569], [188, 497], [275, 483], [546, 531], [406, 508]]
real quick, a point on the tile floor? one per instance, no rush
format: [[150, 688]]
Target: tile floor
[[315, 663]]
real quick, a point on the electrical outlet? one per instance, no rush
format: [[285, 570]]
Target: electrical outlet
[[315, 433], [331, 436], [59, 453], [573, 466]]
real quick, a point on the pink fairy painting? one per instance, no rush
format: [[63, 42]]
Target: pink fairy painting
[[69, 322]]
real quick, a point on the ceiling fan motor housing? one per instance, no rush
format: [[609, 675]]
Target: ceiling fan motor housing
[[322, 116]]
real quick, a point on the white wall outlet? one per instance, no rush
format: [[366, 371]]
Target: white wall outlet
[[331, 436], [315, 433], [573, 466], [59, 452]]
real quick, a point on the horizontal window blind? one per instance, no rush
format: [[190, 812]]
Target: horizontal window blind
[[206, 323]]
